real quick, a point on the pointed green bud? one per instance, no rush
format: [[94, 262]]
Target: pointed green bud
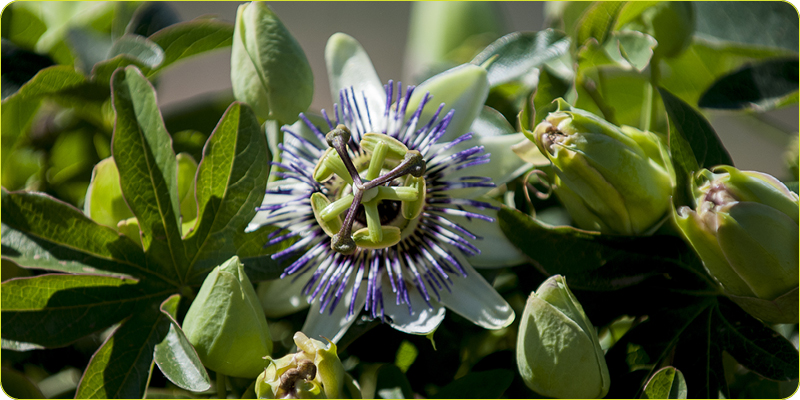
[[226, 324], [744, 227], [314, 372], [269, 70], [558, 352], [611, 179]]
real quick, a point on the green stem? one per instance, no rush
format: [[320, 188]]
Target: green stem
[[222, 392], [651, 103]]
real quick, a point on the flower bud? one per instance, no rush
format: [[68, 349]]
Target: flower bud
[[558, 352], [745, 229], [226, 324], [269, 70], [611, 179], [314, 372]]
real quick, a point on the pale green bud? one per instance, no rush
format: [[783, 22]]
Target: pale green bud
[[269, 70], [314, 372], [558, 352], [745, 229], [226, 324], [611, 179]]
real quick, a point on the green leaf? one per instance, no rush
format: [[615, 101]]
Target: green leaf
[[626, 49], [478, 385], [230, 184], [599, 262], [142, 150], [704, 62], [647, 344], [519, 52], [176, 357], [706, 146], [41, 232], [597, 21], [120, 368], [102, 71], [54, 310], [755, 345], [190, 38], [699, 357], [139, 48], [753, 23], [666, 383], [22, 27], [49, 81], [761, 86]]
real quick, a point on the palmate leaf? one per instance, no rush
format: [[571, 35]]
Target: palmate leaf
[[142, 150], [229, 186], [666, 383], [120, 368], [54, 310], [592, 261], [42, 232]]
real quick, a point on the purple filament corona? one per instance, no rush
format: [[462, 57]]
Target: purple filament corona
[[424, 259]]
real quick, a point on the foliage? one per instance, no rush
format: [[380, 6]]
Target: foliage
[[93, 297]]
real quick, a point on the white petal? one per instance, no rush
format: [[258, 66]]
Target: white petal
[[463, 89], [333, 326], [423, 321], [476, 300], [261, 217], [529, 152], [349, 66], [281, 297], [496, 250]]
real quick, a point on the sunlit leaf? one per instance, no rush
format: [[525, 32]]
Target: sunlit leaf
[[139, 48], [147, 167], [754, 23], [54, 310], [41, 232], [176, 357], [761, 86], [186, 39], [231, 183], [120, 368], [706, 146], [666, 383], [597, 21], [517, 53]]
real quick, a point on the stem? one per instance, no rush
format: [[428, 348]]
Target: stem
[[651, 104], [222, 393]]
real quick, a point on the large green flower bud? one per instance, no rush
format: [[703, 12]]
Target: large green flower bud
[[226, 324], [558, 352], [269, 70], [314, 372], [745, 229], [611, 179]]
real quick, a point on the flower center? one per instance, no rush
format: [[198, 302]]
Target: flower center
[[392, 186]]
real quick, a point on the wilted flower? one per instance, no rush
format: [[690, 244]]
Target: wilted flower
[[745, 229], [314, 372], [612, 179], [383, 197], [558, 352], [226, 324], [269, 70]]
